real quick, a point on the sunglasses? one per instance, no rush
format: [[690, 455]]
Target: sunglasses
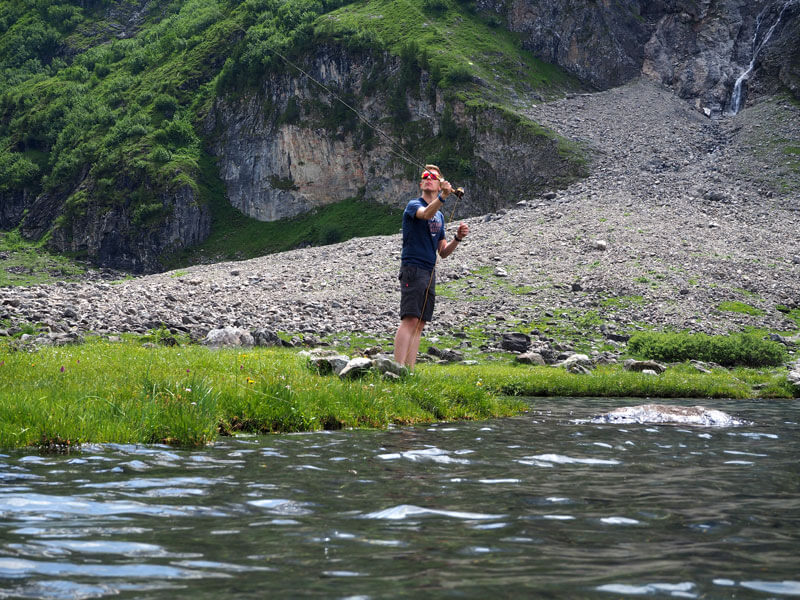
[[429, 175]]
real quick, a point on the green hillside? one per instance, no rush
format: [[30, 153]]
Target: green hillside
[[101, 104]]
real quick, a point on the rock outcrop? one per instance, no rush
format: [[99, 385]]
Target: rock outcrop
[[697, 47], [292, 158], [113, 237]]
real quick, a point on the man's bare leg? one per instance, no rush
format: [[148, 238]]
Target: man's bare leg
[[406, 341]]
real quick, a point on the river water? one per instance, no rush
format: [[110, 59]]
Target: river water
[[533, 506]]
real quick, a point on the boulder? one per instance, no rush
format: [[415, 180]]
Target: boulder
[[266, 337], [388, 366], [447, 354], [794, 376], [326, 362], [576, 360], [531, 358], [642, 365], [515, 342], [228, 337], [356, 367]]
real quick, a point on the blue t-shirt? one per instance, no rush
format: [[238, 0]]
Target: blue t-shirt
[[421, 238]]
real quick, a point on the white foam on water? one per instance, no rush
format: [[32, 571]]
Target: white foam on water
[[405, 511]]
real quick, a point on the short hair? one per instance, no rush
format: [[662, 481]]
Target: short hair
[[434, 168]]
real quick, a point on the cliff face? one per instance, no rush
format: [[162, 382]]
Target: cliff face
[[114, 236], [697, 47], [275, 169]]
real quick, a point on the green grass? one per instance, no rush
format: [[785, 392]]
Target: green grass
[[454, 40], [125, 392], [740, 307], [27, 263]]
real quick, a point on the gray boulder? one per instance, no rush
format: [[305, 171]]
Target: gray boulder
[[577, 363], [228, 337], [515, 342], [356, 367], [327, 362], [447, 354], [642, 365], [266, 337], [531, 358], [794, 375], [386, 365]]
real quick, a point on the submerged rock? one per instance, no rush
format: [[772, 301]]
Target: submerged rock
[[664, 414]]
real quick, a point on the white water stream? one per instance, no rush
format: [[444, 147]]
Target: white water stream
[[737, 97]]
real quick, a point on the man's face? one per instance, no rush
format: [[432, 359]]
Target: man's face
[[429, 181]]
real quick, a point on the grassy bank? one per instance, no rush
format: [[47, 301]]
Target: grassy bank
[[127, 393], [124, 392]]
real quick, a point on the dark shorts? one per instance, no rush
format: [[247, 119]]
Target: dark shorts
[[416, 300]]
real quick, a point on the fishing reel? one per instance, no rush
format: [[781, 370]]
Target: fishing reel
[[459, 191]]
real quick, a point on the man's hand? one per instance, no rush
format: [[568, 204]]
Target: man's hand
[[447, 189], [463, 231]]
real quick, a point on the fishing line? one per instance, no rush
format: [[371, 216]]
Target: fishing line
[[403, 154]]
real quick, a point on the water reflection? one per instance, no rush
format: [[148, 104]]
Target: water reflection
[[533, 506]]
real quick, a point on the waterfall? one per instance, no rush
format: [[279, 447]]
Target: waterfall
[[736, 96]]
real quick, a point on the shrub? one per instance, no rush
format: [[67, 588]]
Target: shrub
[[166, 105], [435, 6], [457, 74], [740, 349]]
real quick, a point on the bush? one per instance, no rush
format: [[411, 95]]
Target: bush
[[166, 105], [457, 74], [740, 349]]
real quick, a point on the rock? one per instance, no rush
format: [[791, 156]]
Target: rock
[[228, 337], [600, 245], [700, 366], [447, 355], [515, 342], [386, 365], [665, 414], [642, 365], [794, 376], [356, 367], [326, 362], [781, 340], [576, 363], [531, 358], [266, 337]]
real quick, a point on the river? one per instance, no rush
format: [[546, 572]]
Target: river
[[534, 506]]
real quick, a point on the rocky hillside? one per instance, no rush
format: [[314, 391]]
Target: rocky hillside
[[685, 223]]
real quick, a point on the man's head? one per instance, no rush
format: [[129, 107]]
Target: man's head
[[430, 178]]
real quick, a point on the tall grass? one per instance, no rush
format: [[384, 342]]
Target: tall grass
[[123, 392], [127, 393]]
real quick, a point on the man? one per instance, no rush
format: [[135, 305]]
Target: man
[[423, 237]]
